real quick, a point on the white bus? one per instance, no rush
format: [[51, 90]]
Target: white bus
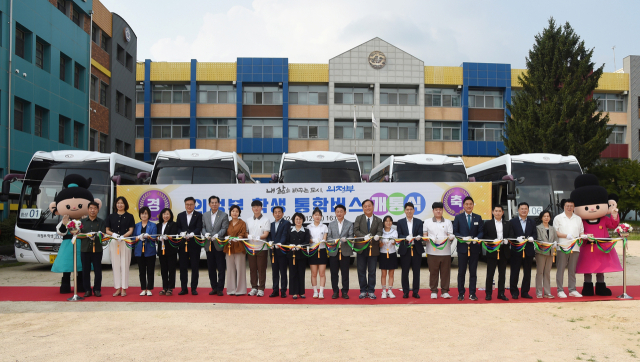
[[540, 179], [318, 167], [199, 166], [35, 238], [419, 168]]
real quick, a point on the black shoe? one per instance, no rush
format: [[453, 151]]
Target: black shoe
[[587, 289], [87, 294], [97, 293], [602, 290], [416, 295], [213, 292], [283, 294], [194, 292], [335, 295], [526, 296], [220, 293], [405, 295], [473, 297], [514, 297], [503, 297], [183, 292], [460, 297], [345, 295], [488, 297], [274, 294]]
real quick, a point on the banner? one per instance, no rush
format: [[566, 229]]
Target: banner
[[388, 198]]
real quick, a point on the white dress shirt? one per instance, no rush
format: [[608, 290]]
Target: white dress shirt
[[499, 230], [410, 227], [574, 226], [340, 226], [213, 218], [164, 225], [189, 215]]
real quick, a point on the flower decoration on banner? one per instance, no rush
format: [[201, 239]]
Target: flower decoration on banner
[[74, 226], [624, 228]]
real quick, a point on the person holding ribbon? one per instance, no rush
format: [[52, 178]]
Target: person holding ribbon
[[468, 226], [368, 230], [388, 259], [189, 225], [235, 251], [498, 230], [258, 228], [215, 224], [411, 230], [298, 237], [119, 225], [318, 263], [544, 258], [340, 230], [145, 250], [167, 253], [278, 237], [525, 232], [568, 226], [91, 253], [440, 233]]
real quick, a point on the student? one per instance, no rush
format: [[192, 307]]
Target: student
[[120, 225], [318, 263], [544, 259], [258, 227], [234, 251], [340, 229], [388, 258], [298, 235], [145, 250], [440, 230], [167, 254]]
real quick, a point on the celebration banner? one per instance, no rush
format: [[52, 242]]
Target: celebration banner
[[388, 198]]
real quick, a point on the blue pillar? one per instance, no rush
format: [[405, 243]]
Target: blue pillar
[[192, 105], [147, 110]]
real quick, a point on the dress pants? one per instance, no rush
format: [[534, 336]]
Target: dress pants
[[95, 259], [566, 261], [408, 262], [279, 270], [258, 269], [296, 274], [339, 267], [472, 263], [168, 263], [189, 258], [518, 261], [120, 261], [367, 268], [438, 264], [217, 265], [492, 262], [543, 273], [146, 266], [236, 274]]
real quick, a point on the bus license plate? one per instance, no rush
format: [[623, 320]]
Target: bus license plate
[[52, 258]]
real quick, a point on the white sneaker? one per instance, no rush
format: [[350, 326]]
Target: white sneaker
[[149, 293], [143, 293], [539, 296], [320, 295], [575, 294], [384, 294], [446, 296], [253, 292], [561, 294], [390, 294], [260, 293], [315, 295], [434, 295]]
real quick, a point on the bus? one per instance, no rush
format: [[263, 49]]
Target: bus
[[419, 168], [318, 167], [540, 179], [36, 240], [198, 166]]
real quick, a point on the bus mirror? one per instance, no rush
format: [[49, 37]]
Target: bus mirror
[[6, 185], [143, 175], [365, 178], [508, 178], [241, 178], [472, 179], [116, 179], [521, 180], [274, 178], [386, 178], [511, 190]]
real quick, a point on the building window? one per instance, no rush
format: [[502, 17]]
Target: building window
[[128, 107], [63, 69], [167, 93], [104, 143], [485, 131], [62, 7], [617, 135], [366, 163], [169, 128], [92, 91], [217, 93], [308, 94], [18, 115], [262, 163], [127, 149], [120, 55], [119, 103], [76, 76], [353, 95], [103, 41], [129, 62], [443, 131], [76, 17], [62, 129], [398, 130], [139, 93], [20, 43], [139, 128], [485, 99], [261, 128], [103, 94], [216, 128], [441, 97], [399, 96], [39, 55], [41, 124], [119, 147], [262, 95], [77, 135], [94, 34], [311, 129], [344, 130], [610, 102], [93, 140]]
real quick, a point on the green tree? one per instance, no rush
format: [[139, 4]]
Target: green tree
[[555, 111], [621, 177]]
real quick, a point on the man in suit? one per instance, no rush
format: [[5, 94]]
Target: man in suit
[[523, 228], [497, 229], [279, 261], [410, 229], [366, 226], [189, 225], [467, 226], [215, 223], [340, 229]]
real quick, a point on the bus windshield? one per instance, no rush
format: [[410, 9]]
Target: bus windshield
[[42, 183], [411, 172], [544, 184], [308, 172], [193, 172]]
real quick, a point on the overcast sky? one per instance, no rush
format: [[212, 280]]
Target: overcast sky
[[437, 32]]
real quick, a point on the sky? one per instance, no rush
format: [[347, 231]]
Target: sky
[[441, 33]]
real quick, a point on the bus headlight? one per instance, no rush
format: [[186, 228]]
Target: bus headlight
[[21, 244]]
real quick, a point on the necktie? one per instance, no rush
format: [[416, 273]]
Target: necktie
[[368, 224], [469, 221]]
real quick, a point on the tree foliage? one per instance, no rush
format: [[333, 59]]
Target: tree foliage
[[621, 177]]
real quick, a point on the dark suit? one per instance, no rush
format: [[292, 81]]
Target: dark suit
[[366, 262], [492, 258], [168, 258], [406, 260], [517, 260], [193, 253], [279, 261], [216, 258], [468, 254]]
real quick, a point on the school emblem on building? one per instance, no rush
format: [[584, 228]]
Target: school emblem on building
[[377, 59]]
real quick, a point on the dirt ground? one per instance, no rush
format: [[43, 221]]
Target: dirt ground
[[595, 331]]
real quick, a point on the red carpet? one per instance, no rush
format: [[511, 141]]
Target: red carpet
[[51, 294]]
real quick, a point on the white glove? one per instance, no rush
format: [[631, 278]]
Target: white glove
[[279, 244], [343, 239], [367, 237], [452, 237], [191, 235], [475, 242], [530, 239], [467, 238], [569, 236], [116, 236], [376, 238], [183, 234], [520, 239], [505, 242], [163, 237], [314, 240], [215, 236], [146, 235], [142, 237], [409, 237], [418, 237], [250, 237], [497, 241], [226, 237], [207, 235], [583, 236]]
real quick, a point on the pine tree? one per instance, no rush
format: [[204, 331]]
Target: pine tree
[[555, 111]]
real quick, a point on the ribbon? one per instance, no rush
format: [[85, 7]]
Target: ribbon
[[606, 244]]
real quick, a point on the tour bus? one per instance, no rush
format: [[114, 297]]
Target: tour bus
[[318, 167], [540, 179], [36, 240], [419, 168]]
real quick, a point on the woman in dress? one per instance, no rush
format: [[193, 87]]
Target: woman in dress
[[167, 254], [235, 254], [299, 235], [388, 259], [145, 250], [318, 232], [120, 225]]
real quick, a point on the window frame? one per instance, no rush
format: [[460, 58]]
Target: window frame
[[321, 126], [370, 91], [398, 91], [203, 129], [473, 136], [321, 92], [484, 97], [443, 125], [398, 126], [362, 128]]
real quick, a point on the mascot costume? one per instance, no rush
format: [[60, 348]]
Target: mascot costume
[[73, 204], [593, 203]]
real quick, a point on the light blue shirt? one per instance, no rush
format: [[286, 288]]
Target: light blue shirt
[[523, 223]]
